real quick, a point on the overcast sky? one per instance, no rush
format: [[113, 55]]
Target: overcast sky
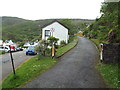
[[50, 9]]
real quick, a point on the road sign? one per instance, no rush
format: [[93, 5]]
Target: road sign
[[52, 30]]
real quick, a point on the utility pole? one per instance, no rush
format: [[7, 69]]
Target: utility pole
[[12, 60]]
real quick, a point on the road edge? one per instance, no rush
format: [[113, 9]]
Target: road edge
[[68, 50]]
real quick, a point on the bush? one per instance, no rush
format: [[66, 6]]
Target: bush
[[56, 46], [62, 43], [48, 52], [71, 38], [21, 44]]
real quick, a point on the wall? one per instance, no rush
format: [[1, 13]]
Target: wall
[[111, 53]]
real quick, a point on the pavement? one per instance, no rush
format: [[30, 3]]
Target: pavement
[[76, 69], [6, 65]]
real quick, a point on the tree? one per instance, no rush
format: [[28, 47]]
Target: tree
[[52, 40], [106, 27]]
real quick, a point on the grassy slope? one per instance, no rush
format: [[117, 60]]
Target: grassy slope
[[32, 68], [18, 29], [2, 52], [108, 71]]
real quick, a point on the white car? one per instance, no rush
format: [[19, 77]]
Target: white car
[[6, 49], [1, 48]]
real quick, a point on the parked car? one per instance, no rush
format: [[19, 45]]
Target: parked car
[[31, 50], [6, 49], [19, 49], [2, 48]]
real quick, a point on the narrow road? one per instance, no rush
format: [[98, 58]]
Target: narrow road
[[6, 65], [76, 69]]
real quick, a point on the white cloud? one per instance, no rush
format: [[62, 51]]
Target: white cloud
[[45, 9]]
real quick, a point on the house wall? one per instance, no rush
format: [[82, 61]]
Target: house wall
[[59, 32]]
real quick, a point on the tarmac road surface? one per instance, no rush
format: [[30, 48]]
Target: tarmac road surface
[[76, 69]]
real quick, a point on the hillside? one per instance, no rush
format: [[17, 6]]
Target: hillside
[[11, 20], [21, 30]]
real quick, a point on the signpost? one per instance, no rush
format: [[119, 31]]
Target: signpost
[[12, 61], [52, 30]]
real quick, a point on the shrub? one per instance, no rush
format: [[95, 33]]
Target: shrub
[[48, 52], [62, 43]]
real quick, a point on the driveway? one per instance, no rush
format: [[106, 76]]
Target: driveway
[[6, 65], [76, 69]]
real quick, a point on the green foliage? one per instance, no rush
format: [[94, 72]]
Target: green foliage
[[20, 30], [25, 31], [43, 47], [52, 40], [110, 74], [96, 41], [106, 27], [2, 52], [66, 47], [62, 43], [48, 52], [75, 25], [71, 38], [11, 20], [21, 44]]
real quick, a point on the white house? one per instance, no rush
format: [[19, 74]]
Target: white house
[[55, 29]]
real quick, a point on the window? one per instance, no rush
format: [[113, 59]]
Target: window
[[47, 33]]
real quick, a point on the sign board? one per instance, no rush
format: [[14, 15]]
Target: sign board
[[52, 30]]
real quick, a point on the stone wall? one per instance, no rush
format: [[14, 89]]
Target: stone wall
[[111, 53]]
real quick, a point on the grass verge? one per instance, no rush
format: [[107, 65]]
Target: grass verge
[[110, 73], [27, 71], [97, 41], [2, 52], [64, 49], [32, 68]]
